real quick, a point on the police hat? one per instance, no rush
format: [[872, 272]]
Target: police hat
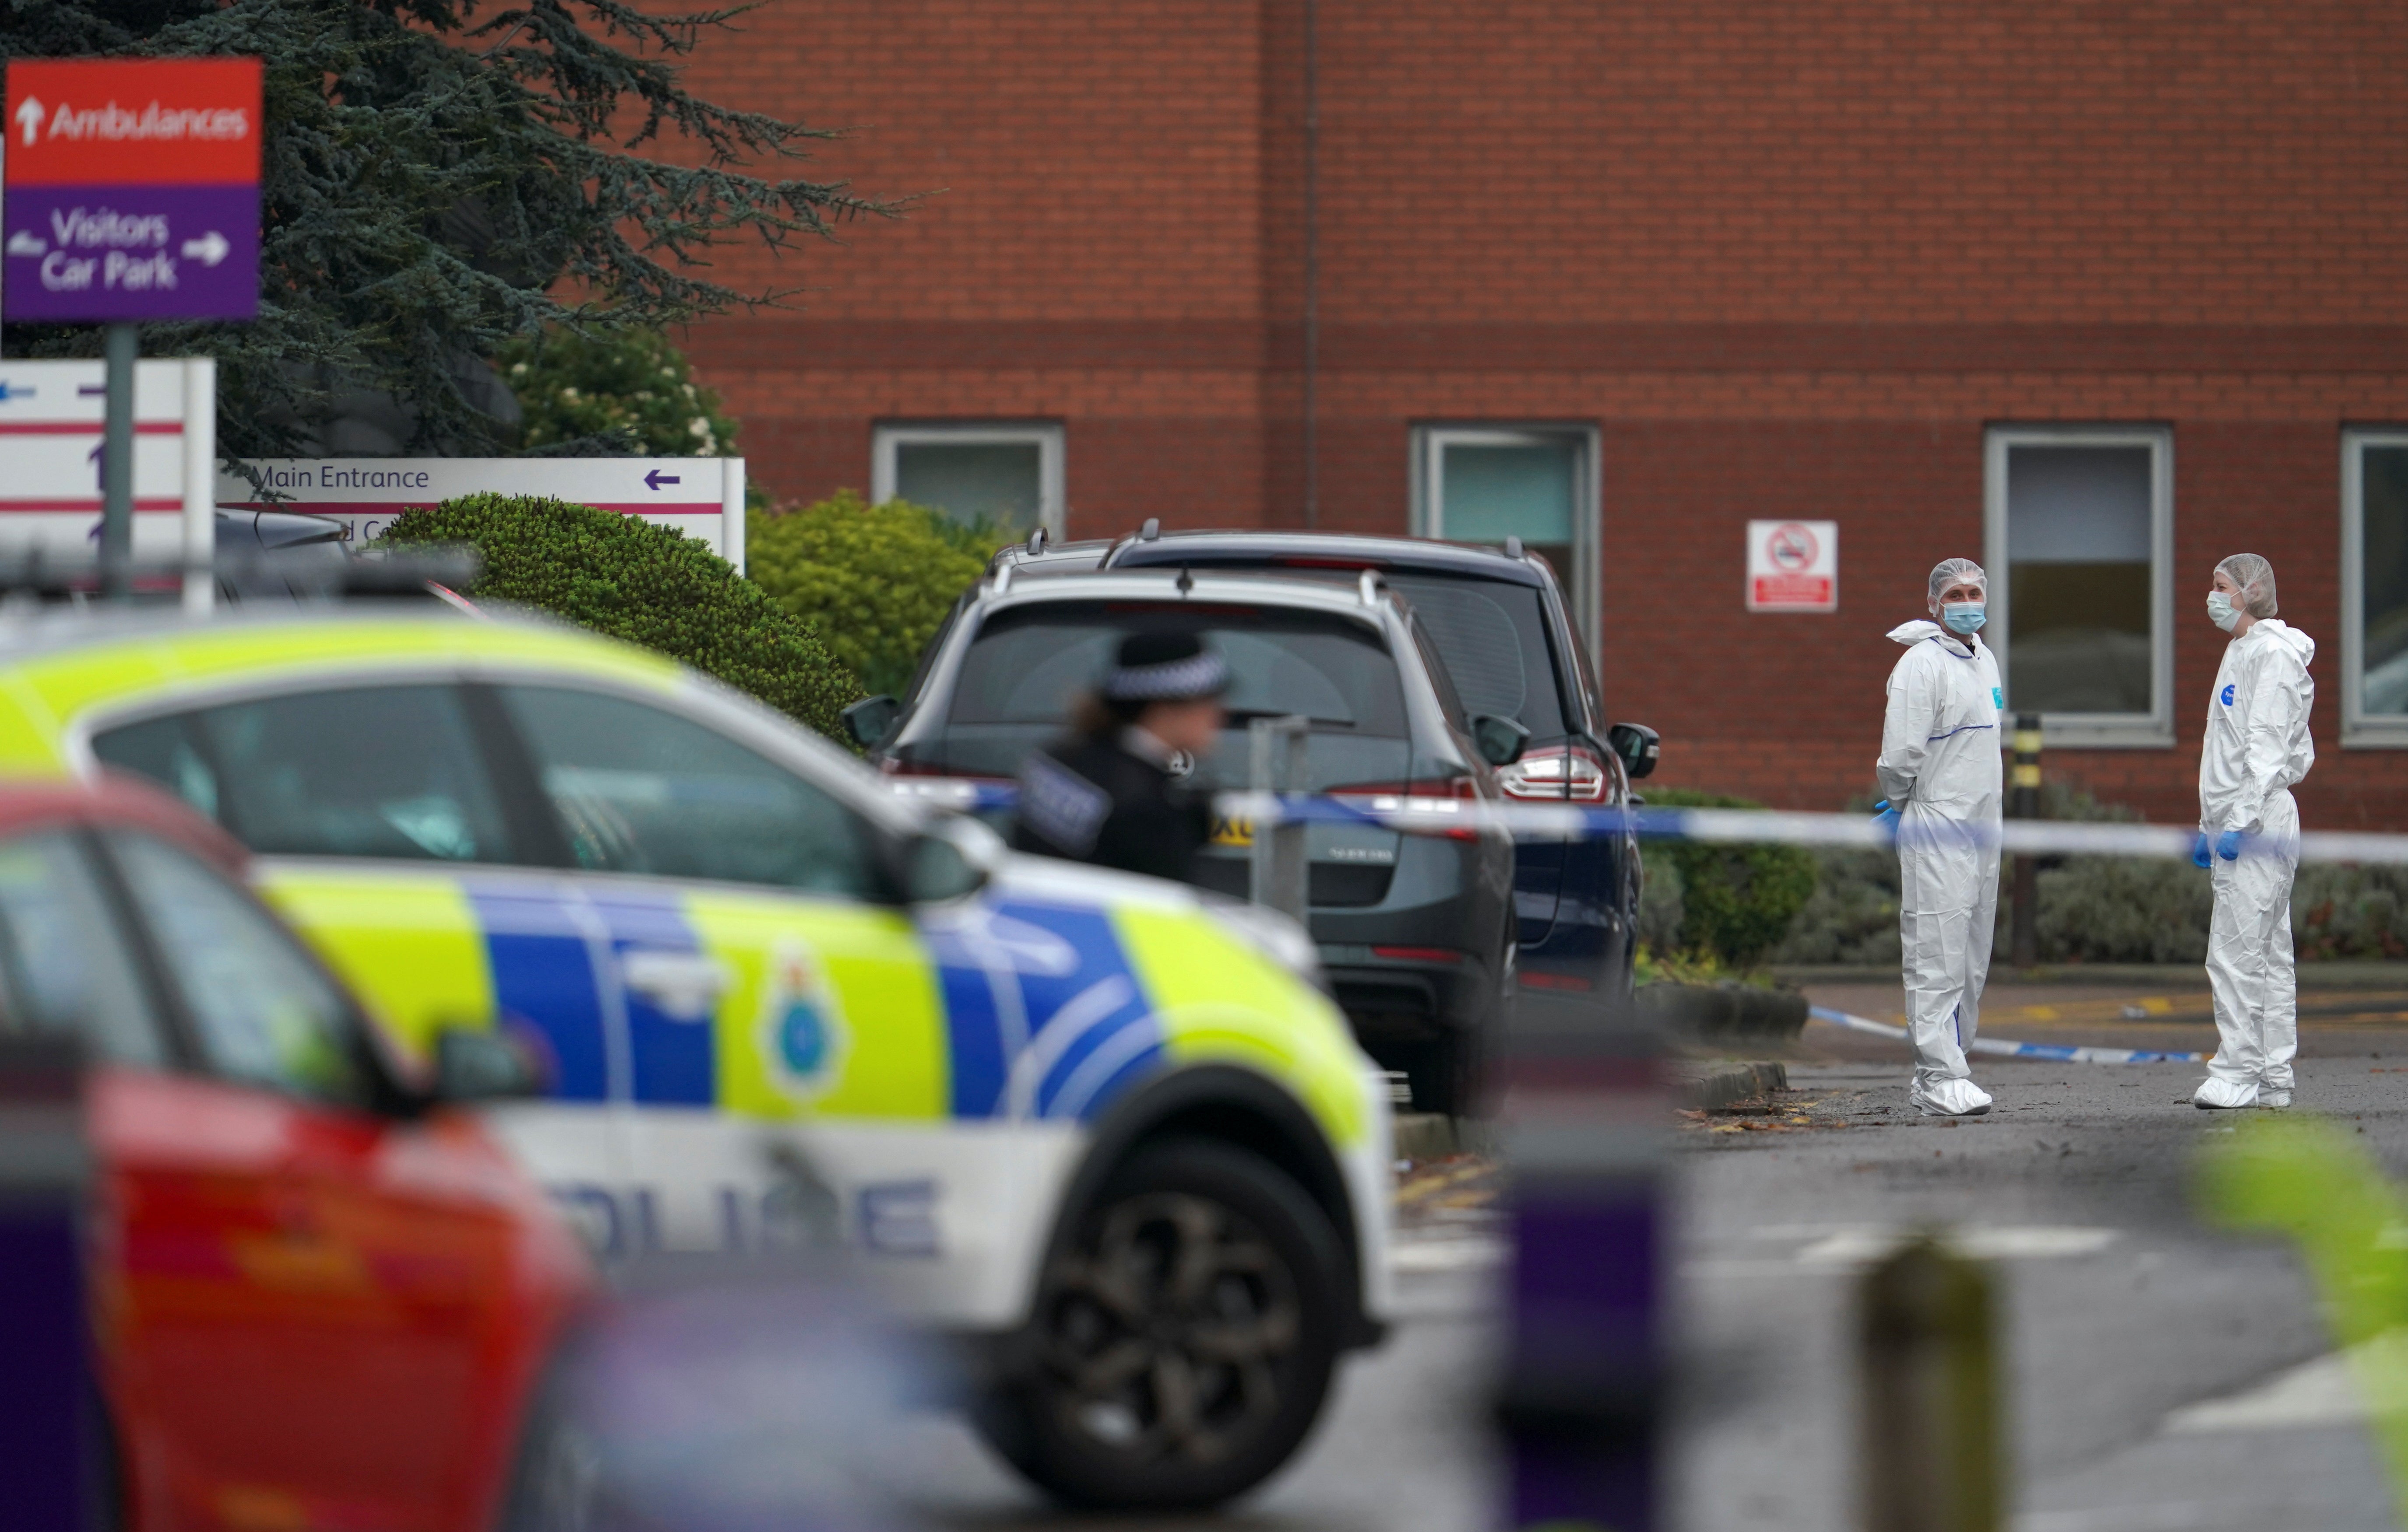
[[1165, 667]]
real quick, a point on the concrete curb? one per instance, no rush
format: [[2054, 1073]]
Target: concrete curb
[[1703, 1087]]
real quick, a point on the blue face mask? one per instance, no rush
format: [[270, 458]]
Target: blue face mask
[[1964, 616]]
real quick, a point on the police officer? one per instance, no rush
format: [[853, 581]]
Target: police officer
[[1109, 791]]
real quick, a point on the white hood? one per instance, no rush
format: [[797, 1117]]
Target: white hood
[[1910, 634], [2300, 643]]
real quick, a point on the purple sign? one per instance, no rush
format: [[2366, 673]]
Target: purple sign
[[85, 253]]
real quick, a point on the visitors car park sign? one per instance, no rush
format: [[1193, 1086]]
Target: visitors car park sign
[[1793, 565], [701, 496], [132, 190]]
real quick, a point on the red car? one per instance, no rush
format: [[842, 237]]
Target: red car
[[323, 1297]]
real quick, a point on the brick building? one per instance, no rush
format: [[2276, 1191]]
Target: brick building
[[2094, 293]]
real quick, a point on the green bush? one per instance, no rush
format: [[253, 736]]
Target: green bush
[[648, 585], [875, 581], [628, 388], [1736, 902]]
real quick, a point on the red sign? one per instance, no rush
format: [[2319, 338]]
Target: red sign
[[133, 123], [1793, 565]]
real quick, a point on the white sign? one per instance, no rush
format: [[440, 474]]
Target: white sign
[[50, 420], [701, 496], [1793, 565]]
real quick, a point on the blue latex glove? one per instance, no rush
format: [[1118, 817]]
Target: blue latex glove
[[1885, 819], [2227, 845], [2199, 857]]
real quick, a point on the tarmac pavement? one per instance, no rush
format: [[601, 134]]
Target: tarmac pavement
[[2162, 1374]]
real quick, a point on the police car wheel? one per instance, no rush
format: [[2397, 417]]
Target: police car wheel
[[1186, 1337]]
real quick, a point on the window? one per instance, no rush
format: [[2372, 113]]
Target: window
[[389, 771], [1026, 669], [62, 955], [1009, 475], [639, 790], [2374, 588], [261, 1010], [1485, 484], [2080, 536]]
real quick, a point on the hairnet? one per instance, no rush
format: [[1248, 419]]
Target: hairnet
[[2255, 577], [1949, 572]]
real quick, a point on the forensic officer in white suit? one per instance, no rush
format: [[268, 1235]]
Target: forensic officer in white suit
[[1940, 765], [2256, 749]]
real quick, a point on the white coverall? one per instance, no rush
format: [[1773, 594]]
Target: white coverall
[[2256, 747], [1940, 766]]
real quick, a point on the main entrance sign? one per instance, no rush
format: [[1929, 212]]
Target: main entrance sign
[[701, 496]]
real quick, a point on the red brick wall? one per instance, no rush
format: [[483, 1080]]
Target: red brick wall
[[1790, 260]]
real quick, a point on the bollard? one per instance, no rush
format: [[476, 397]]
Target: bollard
[[48, 1460], [2023, 802], [1279, 875], [1930, 1414], [1584, 1135]]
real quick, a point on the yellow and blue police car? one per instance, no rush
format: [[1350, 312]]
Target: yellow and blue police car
[[1108, 1127]]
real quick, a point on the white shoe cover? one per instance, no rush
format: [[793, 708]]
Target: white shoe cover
[[1952, 1097], [2214, 1094], [2278, 1100]]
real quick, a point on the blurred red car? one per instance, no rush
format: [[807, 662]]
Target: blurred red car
[[322, 1294]]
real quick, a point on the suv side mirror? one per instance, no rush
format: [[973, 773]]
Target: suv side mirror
[[1500, 740], [484, 1065], [1638, 745], [871, 720], [952, 859]]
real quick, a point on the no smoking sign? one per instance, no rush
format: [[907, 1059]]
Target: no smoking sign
[[1793, 565]]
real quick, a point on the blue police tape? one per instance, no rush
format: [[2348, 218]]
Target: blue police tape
[[1725, 826], [2056, 1053]]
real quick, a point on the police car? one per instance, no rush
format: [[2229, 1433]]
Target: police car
[[1110, 1127]]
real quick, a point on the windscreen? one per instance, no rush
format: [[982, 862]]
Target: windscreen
[[1490, 634], [1028, 668]]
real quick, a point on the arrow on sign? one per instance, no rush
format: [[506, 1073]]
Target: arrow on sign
[[29, 117], [655, 479], [208, 250]]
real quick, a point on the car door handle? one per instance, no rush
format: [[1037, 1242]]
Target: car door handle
[[683, 985]]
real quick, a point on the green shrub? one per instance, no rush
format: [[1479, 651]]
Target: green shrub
[[648, 585], [1736, 902], [875, 581], [628, 387], [2350, 912]]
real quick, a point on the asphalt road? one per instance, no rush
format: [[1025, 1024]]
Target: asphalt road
[[2162, 1374]]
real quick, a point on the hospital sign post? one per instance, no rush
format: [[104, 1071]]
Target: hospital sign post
[[132, 194]]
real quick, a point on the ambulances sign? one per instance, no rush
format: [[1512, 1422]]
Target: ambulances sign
[[1793, 565], [133, 190]]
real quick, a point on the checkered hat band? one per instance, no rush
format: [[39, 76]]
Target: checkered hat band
[[1198, 676]]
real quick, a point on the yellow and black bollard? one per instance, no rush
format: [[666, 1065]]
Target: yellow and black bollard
[[2023, 802], [1932, 1453]]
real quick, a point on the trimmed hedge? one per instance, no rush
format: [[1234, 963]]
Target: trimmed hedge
[[648, 585], [876, 581], [1736, 902]]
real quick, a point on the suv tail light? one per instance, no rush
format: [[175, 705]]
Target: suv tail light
[[1556, 773], [1440, 799]]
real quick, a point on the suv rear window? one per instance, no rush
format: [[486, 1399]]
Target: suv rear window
[[1491, 633], [1027, 666]]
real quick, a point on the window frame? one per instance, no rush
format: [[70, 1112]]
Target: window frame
[[1426, 460], [2359, 729], [1053, 513], [2155, 728]]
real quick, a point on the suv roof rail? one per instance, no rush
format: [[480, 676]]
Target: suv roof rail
[[1003, 578], [1036, 541], [1512, 547], [1370, 587], [1151, 530]]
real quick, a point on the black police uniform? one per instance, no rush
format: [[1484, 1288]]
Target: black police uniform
[[1092, 798]]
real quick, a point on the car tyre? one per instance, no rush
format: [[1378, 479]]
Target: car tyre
[[556, 1483], [1184, 1336], [1444, 1073]]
